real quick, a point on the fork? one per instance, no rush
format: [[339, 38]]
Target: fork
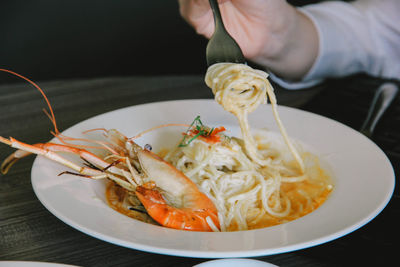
[[222, 47], [383, 97]]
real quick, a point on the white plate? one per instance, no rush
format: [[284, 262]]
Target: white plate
[[363, 177], [235, 263]]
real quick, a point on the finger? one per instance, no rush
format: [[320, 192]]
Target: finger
[[198, 14], [193, 9]]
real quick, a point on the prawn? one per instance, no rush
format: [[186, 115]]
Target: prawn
[[193, 210], [168, 196]]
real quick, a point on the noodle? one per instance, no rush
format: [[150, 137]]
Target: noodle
[[240, 90], [254, 182], [250, 181]]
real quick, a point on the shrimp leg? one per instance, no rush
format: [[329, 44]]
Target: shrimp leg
[[49, 150], [39, 149]]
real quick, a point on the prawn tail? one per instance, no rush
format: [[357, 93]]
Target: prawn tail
[[168, 216]]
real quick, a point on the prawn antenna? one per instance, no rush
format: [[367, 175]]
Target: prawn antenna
[[51, 115]]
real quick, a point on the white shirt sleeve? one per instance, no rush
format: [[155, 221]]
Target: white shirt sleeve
[[361, 36]]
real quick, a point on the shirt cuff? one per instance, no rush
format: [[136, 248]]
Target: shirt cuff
[[294, 85]]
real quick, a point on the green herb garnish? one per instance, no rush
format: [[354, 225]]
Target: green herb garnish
[[195, 127]]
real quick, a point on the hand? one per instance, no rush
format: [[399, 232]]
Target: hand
[[269, 32]]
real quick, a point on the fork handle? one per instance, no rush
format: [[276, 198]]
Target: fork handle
[[383, 97], [217, 15]]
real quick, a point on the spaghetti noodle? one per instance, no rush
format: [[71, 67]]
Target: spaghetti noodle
[[252, 181]]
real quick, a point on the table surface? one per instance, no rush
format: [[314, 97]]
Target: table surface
[[28, 232]]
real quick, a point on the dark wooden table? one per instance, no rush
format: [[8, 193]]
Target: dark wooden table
[[31, 233]]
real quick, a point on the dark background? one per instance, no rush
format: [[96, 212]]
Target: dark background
[[53, 39]]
